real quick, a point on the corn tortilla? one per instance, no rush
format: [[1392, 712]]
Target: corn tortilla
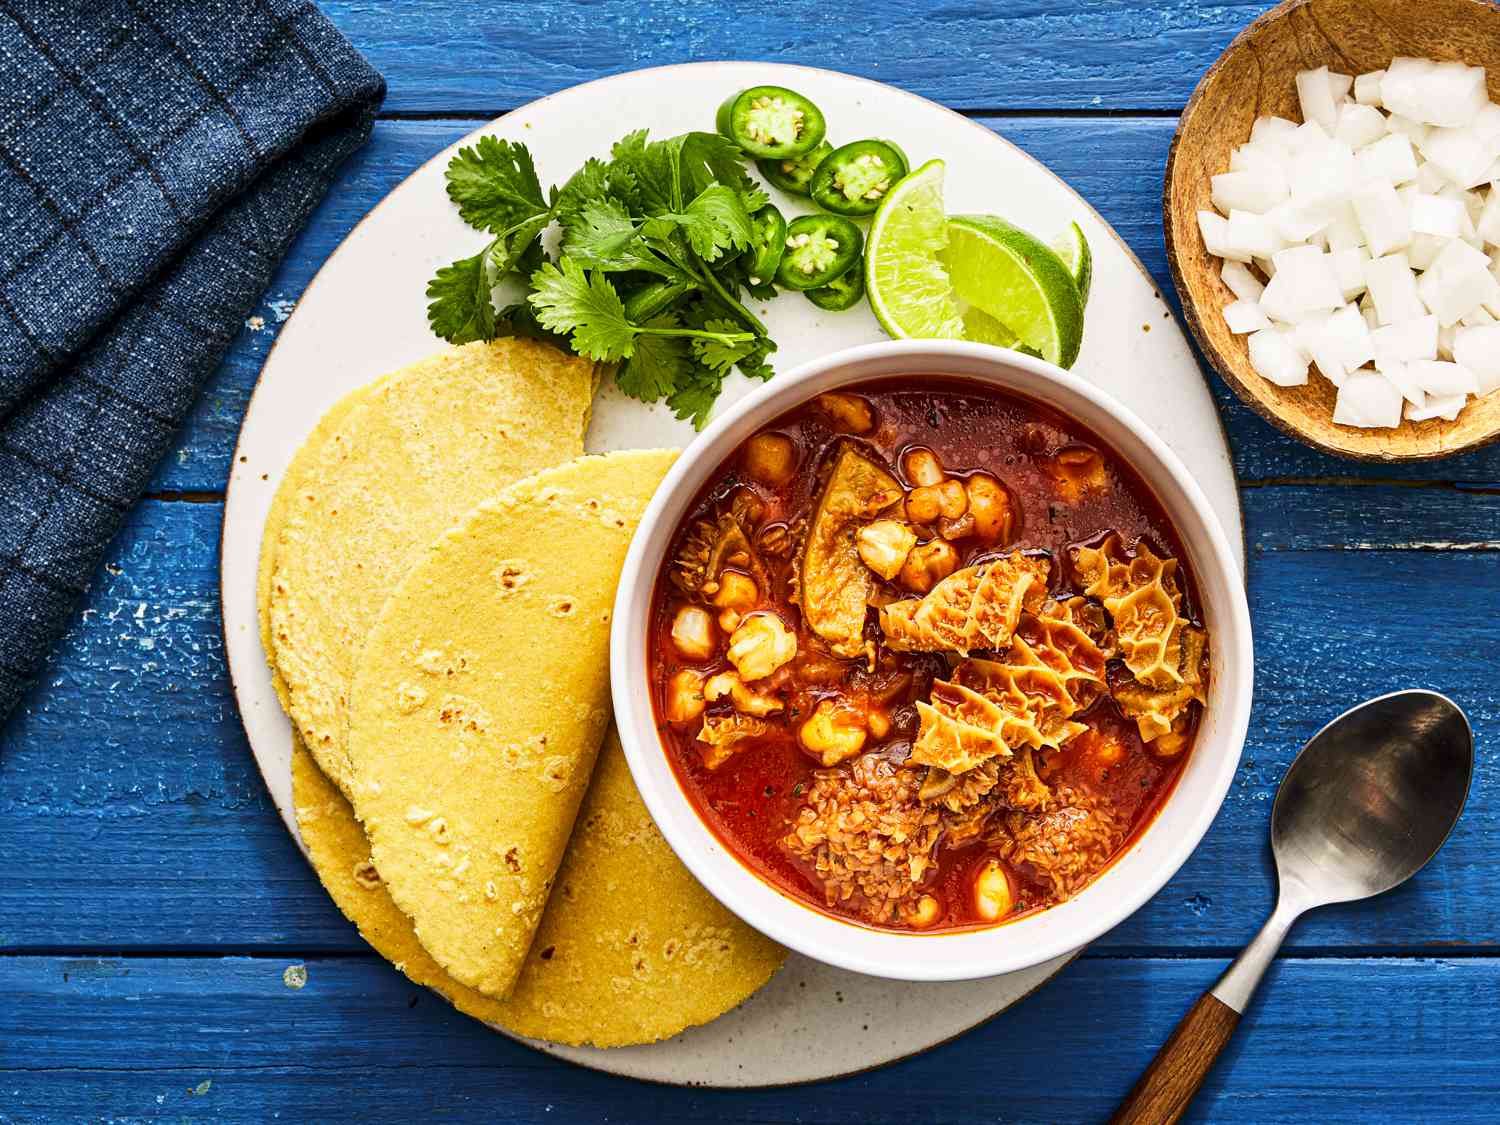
[[399, 467], [585, 981], [479, 703], [327, 426]]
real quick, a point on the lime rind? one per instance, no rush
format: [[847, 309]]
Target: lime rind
[[1075, 253], [908, 286], [1008, 274]]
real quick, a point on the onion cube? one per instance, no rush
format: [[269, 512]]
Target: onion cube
[[1307, 275], [1367, 88], [1244, 317], [1436, 407], [1276, 359], [1396, 373], [1251, 236], [1274, 132], [1391, 158], [1393, 289], [1478, 349], [1440, 377], [1347, 336], [1424, 250], [1359, 125], [1477, 319], [1349, 268], [1487, 226], [1316, 97], [1340, 85], [1432, 214], [1281, 302], [1414, 131], [1458, 254], [1259, 158], [1461, 156], [1452, 293], [1242, 283], [1368, 400], [1306, 137], [1406, 340], [1297, 224], [1343, 232], [1446, 94], [1382, 218], [1215, 230], [1248, 191]]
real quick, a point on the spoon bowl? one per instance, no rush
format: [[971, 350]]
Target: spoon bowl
[[1371, 797]]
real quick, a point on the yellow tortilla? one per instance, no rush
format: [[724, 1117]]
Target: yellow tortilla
[[630, 949], [391, 472], [479, 702], [327, 426]]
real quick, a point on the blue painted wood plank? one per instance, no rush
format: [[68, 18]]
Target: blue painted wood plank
[[493, 55], [127, 785], [225, 1040], [1115, 163]]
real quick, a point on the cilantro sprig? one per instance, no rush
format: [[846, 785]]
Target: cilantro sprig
[[646, 273]]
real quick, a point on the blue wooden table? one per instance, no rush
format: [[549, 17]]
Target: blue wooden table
[[151, 898]]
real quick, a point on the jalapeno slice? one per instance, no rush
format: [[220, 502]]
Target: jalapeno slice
[[793, 174], [819, 248], [767, 244], [843, 292], [852, 180], [771, 122]]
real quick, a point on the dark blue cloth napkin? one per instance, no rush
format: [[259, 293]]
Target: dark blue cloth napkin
[[157, 157]]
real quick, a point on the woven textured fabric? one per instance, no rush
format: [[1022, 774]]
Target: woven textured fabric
[[156, 160]]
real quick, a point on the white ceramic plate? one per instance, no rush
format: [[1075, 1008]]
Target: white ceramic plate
[[365, 314]]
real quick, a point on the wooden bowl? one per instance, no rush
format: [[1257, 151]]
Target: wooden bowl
[[1256, 76]]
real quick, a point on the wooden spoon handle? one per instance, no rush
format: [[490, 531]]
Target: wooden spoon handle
[[1169, 1083]]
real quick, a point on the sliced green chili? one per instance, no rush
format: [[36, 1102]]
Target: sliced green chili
[[771, 122], [793, 174], [768, 244], [819, 248], [853, 179], [843, 292]]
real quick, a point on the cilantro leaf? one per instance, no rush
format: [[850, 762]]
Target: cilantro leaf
[[601, 236], [459, 307], [589, 183], [568, 299], [494, 184], [659, 364], [695, 394], [709, 158], [714, 222], [650, 171], [717, 355]]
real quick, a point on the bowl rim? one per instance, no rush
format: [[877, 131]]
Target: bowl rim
[[851, 945], [1205, 345]]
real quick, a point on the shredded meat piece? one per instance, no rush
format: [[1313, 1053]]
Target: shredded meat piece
[[868, 837], [724, 736], [1063, 846]]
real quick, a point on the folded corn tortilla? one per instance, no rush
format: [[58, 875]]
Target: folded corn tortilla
[[631, 949], [382, 476], [479, 702]]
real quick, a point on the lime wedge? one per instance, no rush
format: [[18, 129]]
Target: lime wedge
[[907, 284], [1074, 251], [985, 329], [1010, 276]]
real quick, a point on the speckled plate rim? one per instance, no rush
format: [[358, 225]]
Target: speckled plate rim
[[803, 987]]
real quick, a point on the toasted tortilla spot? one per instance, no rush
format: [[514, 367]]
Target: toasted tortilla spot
[[834, 586], [529, 676], [390, 468], [565, 992]]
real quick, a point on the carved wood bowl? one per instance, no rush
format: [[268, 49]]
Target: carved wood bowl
[[1256, 76]]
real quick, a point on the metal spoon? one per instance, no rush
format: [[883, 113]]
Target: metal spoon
[[1369, 800]]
